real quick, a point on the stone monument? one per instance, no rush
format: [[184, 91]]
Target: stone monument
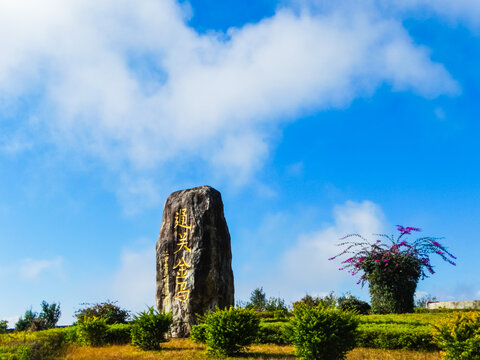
[[194, 257]]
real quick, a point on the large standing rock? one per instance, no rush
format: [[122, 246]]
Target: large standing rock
[[194, 257]]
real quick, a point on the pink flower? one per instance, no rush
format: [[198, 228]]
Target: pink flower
[[407, 230]]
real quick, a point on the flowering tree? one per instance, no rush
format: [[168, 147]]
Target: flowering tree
[[392, 267]]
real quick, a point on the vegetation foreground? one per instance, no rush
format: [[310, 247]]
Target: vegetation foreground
[[185, 349], [316, 329]]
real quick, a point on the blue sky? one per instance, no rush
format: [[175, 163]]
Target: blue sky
[[314, 119]]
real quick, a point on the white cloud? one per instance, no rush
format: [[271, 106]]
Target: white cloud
[[305, 266], [465, 11], [31, 268], [137, 194], [131, 81], [134, 283], [12, 320]]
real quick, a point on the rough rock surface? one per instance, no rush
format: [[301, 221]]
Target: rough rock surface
[[194, 257]]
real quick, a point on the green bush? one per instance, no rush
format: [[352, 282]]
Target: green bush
[[329, 300], [351, 303], [119, 334], [20, 352], [50, 314], [108, 310], [26, 321], [149, 329], [71, 335], [392, 288], [230, 331], [3, 326], [258, 300], [323, 332], [41, 345], [395, 336], [92, 331], [274, 333], [33, 321], [268, 333], [198, 333], [459, 338]]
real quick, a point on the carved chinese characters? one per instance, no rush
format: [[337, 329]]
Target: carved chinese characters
[[194, 273], [182, 293]]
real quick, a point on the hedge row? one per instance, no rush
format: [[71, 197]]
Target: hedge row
[[379, 336], [41, 345], [390, 336], [49, 344]]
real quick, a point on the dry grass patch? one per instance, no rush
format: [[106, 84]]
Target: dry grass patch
[[375, 354], [185, 349], [174, 349]]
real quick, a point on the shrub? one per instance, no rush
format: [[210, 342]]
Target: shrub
[[149, 329], [274, 333], [323, 332], [258, 300], [393, 267], [38, 324], [41, 345], [20, 352], [119, 334], [230, 331], [92, 331], [198, 333], [395, 336], [25, 322], [108, 311], [276, 304], [71, 335], [351, 303], [329, 300], [3, 326], [459, 338], [50, 314], [280, 315], [33, 321]]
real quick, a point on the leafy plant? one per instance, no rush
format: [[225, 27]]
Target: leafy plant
[[258, 300], [459, 337], [33, 321], [50, 313], [41, 345], [3, 326], [351, 303], [149, 329], [198, 333], [395, 336], [119, 334], [329, 300], [108, 311], [25, 322], [231, 330], [92, 331], [323, 332], [275, 304], [392, 268], [274, 333]]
